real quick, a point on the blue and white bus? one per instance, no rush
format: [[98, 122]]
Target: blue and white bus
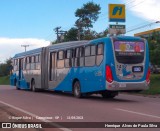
[[105, 66]]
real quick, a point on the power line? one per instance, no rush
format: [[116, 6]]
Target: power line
[[143, 26], [135, 5], [49, 36], [129, 2]]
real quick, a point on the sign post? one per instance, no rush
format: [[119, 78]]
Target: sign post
[[117, 14], [117, 29]]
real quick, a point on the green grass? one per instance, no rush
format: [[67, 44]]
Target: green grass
[[154, 85], [4, 80]]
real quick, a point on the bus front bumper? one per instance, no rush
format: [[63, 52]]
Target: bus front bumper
[[127, 86]]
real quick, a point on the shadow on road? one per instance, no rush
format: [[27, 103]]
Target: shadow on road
[[95, 97]]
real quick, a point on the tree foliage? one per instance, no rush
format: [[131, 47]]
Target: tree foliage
[[71, 34], [91, 34], [88, 14], [154, 48], [5, 68]]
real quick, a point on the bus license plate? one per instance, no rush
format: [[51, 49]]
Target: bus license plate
[[122, 85], [137, 69]]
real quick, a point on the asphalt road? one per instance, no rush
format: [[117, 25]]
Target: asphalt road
[[49, 106]]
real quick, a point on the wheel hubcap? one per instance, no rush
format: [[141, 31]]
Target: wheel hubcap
[[77, 89]]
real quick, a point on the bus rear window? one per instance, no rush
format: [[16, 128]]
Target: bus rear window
[[127, 52]]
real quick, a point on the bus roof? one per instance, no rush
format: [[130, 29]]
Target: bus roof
[[52, 47], [68, 44], [34, 51]]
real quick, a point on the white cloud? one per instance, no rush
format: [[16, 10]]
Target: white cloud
[[10, 46], [146, 9]]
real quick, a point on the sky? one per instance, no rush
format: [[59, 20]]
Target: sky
[[31, 22]]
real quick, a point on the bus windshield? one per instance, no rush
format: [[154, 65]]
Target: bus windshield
[[128, 52]]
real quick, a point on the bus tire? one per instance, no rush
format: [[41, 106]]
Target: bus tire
[[17, 85], [77, 89], [109, 94], [33, 87]]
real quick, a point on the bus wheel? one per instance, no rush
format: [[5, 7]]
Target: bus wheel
[[33, 88], [109, 94], [17, 85], [77, 89]]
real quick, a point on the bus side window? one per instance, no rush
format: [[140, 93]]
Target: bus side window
[[24, 63], [73, 56], [28, 63], [81, 53], [52, 66], [37, 58], [90, 55], [100, 52], [37, 62], [93, 50], [15, 65], [76, 60], [68, 58], [87, 51], [60, 59], [32, 62]]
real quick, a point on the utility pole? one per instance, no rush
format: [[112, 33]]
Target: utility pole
[[59, 32], [62, 34], [25, 46]]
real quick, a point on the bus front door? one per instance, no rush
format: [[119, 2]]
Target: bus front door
[[20, 62]]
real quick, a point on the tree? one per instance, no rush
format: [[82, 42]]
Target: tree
[[71, 34], [91, 34], [102, 34], [5, 67], [154, 48], [88, 14]]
